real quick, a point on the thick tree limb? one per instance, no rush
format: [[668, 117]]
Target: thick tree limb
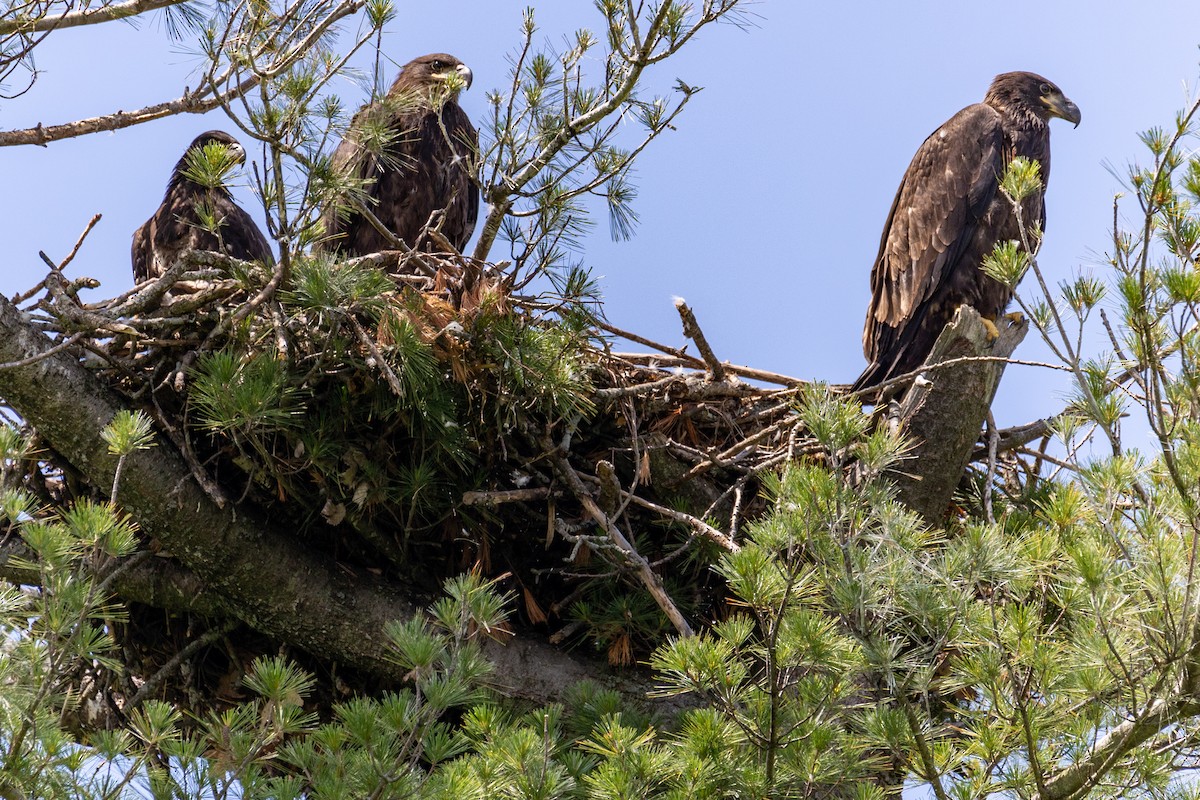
[[945, 408], [262, 574], [88, 16]]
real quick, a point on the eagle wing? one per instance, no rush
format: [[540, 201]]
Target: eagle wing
[[175, 227], [945, 191], [240, 236], [142, 252]]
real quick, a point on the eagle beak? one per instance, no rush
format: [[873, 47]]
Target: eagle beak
[[1063, 108], [465, 73]]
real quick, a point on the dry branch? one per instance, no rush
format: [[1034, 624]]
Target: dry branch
[[647, 575], [691, 329]]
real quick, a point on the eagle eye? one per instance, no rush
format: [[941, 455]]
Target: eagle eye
[[437, 65], [1046, 88]]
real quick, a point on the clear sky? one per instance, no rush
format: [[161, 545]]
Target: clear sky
[[763, 209]]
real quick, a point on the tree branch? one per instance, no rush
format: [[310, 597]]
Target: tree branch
[[200, 101], [88, 16]]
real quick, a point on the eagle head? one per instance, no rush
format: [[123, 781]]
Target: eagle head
[[210, 138], [1032, 92], [440, 71], [208, 160]]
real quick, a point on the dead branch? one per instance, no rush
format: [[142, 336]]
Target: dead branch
[[944, 410], [698, 525], [657, 361], [691, 329], [498, 498]]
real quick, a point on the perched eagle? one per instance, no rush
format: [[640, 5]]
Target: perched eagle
[[177, 224], [414, 148], [949, 214]]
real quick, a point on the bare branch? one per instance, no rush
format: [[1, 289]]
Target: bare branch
[[88, 16], [691, 329]]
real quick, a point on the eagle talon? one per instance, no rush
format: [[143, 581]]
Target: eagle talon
[[993, 333], [1015, 317]]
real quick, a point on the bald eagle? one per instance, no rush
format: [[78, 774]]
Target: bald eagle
[[177, 224], [948, 215], [415, 148]]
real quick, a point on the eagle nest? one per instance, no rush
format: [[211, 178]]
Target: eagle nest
[[420, 425]]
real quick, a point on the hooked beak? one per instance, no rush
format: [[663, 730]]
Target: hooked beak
[[465, 73], [1060, 106]]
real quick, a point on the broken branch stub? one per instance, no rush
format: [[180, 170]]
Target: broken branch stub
[[945, 408]]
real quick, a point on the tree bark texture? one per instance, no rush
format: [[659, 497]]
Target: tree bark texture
[[946, 406]]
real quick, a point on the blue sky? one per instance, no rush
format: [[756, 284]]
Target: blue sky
[[763, 209]]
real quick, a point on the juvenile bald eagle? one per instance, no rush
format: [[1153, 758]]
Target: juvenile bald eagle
[[415, 147], [176, 226], [948, 215]]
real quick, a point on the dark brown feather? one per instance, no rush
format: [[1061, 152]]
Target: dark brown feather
[[948, 215], [175, 227], [425, 167]]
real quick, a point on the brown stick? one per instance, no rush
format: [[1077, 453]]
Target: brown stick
[[699, 526]]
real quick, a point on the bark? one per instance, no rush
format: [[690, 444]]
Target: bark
[[232, 558], [945, 408]]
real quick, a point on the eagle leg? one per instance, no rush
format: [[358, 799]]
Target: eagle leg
[[993, 333]]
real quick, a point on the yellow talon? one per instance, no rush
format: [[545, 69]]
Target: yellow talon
[[992, 332], [1015, 317]]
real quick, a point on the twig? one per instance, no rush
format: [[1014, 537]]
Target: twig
[[723, 458], [496, 498], [636, 389], [388, 373], [698, 525], [649, 359], [872, 391], [79, 242], [691, 329], [58, 348], [173, 663], [993, 438], [678, 352]]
